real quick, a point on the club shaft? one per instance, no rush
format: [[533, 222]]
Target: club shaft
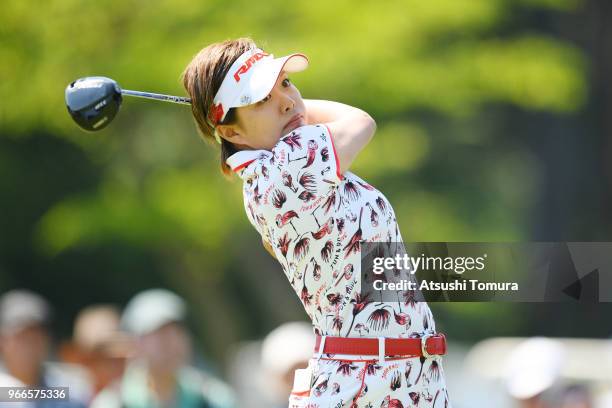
[[160, 97]]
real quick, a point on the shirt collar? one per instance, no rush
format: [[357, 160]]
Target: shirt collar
[[243, 158]]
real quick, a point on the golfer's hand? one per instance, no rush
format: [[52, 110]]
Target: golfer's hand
[[268, 247]]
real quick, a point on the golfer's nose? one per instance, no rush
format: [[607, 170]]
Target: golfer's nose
[[287, 103]]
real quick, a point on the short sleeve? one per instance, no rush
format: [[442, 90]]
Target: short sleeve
[[285, 187], [308, 157]]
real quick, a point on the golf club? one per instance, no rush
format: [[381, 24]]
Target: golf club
[[93, 102]]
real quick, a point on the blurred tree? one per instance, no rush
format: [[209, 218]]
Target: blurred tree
[[89, 217]]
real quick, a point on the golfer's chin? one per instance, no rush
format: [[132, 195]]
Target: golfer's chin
[[292, 126]]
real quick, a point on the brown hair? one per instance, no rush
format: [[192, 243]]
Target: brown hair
[[202, 79]]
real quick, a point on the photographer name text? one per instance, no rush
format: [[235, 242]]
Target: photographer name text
[[425, 285]]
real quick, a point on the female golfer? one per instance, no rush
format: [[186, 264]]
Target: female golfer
[[313, 215]]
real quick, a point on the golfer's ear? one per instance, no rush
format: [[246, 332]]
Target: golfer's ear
[[230, 133]]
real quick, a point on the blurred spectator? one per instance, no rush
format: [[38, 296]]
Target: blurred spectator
[[99, 345], [159, 376], [533, 402], [25, 343], [285, 349], [575, 396], [532, 368], [9, 381]]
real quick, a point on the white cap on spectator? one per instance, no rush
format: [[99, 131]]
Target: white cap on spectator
[[20, 309], [533, 367], [286, 346], [152, 309]]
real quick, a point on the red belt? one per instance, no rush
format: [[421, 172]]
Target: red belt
[[424, 346]]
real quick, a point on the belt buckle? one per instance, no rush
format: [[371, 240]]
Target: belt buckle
[[424, 351]]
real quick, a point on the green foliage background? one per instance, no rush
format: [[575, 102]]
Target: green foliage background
[[463, 92]]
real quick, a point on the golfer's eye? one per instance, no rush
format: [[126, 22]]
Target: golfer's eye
[[286, 82], [267, 98]]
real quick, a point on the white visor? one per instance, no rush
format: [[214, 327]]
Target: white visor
[[250, 79]]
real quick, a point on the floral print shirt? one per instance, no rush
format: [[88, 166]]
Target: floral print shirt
[[316, 218]]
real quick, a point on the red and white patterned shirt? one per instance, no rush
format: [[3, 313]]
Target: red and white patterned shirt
[[315, 218]]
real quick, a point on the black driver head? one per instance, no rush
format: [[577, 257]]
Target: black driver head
[[93, 102]]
